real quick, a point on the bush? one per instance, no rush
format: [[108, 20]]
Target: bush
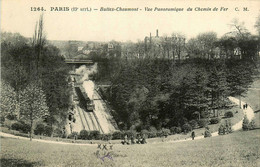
[[152, 132], [193, 124], [40, 129], [117, 135], [229, 114], [145, 133], [186, 128], [2, 120], [94, 135], [245, 125], [175, 130], [252, 125], [11, 117], [21, 127], [83, 134], [16, 126], [58, 132], [221, 130], [203, 123], [207, 132], [73, 135], [106, 137], [215, 120], [130, 133], [165, 132], [225, 128], [48, 130]]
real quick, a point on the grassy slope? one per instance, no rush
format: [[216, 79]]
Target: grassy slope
[[237, 149]]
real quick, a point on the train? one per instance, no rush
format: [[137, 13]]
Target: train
[[83, 98]]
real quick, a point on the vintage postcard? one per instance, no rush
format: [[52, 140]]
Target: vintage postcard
[[130, 83]]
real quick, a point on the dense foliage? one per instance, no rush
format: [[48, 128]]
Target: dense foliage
[[165, 93], [34, 74]]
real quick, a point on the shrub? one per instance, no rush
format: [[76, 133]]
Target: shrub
[[175, 130], [11, 117], [229, 114], [73, 135], [16, 126], [130, 133], [21, 127], [58, 132], [221, 130], [225, 128], [193, 124], [252, 125], [165, 132], [186, 128], [106, 137], [214, 120], [207, 132], [83, 134], [203, 123], [144, 133], [152, 132], [39, 129], [117, 135], [95, 134], [48, 130], [245, 125], [2, 120]]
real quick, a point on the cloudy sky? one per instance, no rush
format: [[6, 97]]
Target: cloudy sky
[[16, 16]]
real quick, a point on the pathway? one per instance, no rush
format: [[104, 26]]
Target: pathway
[[248, 112]]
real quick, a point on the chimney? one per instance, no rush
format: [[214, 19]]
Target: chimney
[[157, 33]]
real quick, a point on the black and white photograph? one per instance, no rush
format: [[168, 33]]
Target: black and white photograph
[[130, 83]]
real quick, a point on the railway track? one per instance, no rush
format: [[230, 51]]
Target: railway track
[[100, 128], [80, 117], [93, 123], [86, 119]]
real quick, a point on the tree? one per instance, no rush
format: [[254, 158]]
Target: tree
[[203, 45], [193, 48], [178, 44], [257, 24], [218, 86], [245, 41], [33, 104], [227, 44], [207, 43], [239, 77], [8, 102], [238, 29]]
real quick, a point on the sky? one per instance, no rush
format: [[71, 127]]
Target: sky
[[16, 16]]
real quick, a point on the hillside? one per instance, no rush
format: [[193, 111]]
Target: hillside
[[237, 149]]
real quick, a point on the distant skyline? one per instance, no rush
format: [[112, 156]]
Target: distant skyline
[[16, 16]]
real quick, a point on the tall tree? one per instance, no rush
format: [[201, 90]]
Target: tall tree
[[218, 86], [33, 104], [207, 43]]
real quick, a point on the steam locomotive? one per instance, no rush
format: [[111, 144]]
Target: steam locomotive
[[84, 100]]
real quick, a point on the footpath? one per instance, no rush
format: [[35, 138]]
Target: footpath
[[249, 112]]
